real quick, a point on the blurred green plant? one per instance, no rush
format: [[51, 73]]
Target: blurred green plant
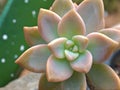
[[15, 15]]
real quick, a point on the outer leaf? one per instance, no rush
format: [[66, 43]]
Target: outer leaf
[[76, 82], [83, 63], [102, 77], [35, 58], [32, 36], [57, 47], [45, 85], [111, 33], [81, 42], [92, 12], [58, 70], [70, 26], [101, 46], [61, 7], [47, 24]]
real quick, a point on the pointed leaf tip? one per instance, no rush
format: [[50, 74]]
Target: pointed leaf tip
[[32, 36], [61, 7], [48, 24], [92, 13], [69, 26], [101, 46], [35, 58]]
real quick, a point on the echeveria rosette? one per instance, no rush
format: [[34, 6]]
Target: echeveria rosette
[[72, 46]]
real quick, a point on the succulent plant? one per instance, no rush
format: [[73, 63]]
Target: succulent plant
[[70, 45]]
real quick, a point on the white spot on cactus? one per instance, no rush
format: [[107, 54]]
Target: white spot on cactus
[[5, 37], [14, 20], [34, 13], [26, 1], [3, 60], [12, 74], [22, 48], [15, 56]]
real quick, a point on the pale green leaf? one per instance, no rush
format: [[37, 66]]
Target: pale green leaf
[[102, 77], [76, 82], [32, 36], [83, 63], [101, 46], [71, 24], [58, 69], [61, 7], [35, 58], [48, 24], [92, 12], [57, 47]]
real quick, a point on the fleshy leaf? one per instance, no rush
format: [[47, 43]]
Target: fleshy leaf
[[81, 42], [47, 24], [61, 7], [35, 58], [45, 85], [101, 46], [70, 26], [69, 44], [83, 62], [32, 36], [71, 55], [57, 47], [102, 77], [58, 69], [111, 33], [76, 82], [92, 13]]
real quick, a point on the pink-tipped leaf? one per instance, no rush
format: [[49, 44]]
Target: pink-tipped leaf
[[61, 7], [101, 46], [32, 36], [71, 24], [35, 58], [92, 13], [47, 24]]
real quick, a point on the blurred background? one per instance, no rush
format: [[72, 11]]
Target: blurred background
[[14, 14]]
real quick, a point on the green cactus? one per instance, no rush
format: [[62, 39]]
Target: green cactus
[[15, 15]]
